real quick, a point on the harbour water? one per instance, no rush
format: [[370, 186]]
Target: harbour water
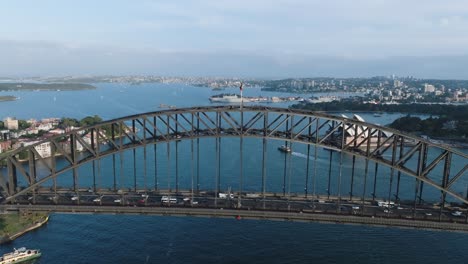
[[151, 239]]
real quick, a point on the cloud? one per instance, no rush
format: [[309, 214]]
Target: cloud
[[274, 36], [47, 58]]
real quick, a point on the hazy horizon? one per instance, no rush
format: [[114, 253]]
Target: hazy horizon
[[253, 39]]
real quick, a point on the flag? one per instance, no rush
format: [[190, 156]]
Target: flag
[[240, 87]]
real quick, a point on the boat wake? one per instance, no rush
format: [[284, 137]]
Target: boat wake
[[300, 155]]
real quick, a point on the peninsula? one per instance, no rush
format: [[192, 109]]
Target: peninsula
[[13, 225], [45, 86], [5, 98]]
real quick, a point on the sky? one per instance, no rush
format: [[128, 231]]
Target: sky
[[236, 38]]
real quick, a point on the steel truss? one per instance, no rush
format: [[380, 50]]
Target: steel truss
[[384, 146]]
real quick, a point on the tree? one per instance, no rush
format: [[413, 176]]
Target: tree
[[22, 124], [90, 120], [407, 123], [68, 122]]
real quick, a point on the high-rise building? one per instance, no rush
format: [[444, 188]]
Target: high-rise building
[[397, 83], [10, 123]]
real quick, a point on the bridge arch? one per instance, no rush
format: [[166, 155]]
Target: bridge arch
[[402, 153]]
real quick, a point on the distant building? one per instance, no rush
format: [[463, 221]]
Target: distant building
[[429, 88], [4, 146], [57, 131], [11, 123], [450, 125], [4, 134], [359, 134], [42, 149]]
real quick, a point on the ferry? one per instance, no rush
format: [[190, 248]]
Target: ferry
[[227, 98], [20, 255], [285, 149]]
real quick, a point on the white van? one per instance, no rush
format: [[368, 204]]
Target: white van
[[168, 199], [225, 195]]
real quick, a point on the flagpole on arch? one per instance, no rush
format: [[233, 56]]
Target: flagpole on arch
[[241, 145], [242, 98]]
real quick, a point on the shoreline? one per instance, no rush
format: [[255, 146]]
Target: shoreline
[[9, 238]]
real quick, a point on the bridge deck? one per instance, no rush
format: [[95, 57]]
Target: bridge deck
[[243, 214]]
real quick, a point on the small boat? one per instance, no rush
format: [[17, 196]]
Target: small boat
[[20, 255], [285, 149]]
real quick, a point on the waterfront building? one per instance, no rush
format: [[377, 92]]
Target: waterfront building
[[42, 149]]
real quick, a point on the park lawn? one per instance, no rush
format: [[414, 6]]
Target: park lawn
[[13, 223]]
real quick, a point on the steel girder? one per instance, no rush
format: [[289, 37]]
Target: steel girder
[[401, 152]]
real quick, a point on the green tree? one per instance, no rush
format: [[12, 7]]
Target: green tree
[[407, 123], [22, 124], [90, 120], [68, 122]]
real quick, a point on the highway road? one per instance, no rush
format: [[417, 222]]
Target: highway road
[[248, 202]]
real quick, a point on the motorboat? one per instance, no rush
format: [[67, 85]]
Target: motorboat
[[284, 148]]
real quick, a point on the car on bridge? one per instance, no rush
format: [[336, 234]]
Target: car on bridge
[[168, 200], [457, 213], [98, 199], [226, 195]]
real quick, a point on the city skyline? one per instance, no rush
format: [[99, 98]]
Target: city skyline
[[425, 39]]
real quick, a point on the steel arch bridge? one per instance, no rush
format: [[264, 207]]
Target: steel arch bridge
[[438, 166]]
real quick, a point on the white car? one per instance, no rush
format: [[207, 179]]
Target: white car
[[97, 200], [53, 198], [117, 201], [225, 195], [74, 198], [457, 213]]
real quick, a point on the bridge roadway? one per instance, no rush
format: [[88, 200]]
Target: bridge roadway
[[250, 206]]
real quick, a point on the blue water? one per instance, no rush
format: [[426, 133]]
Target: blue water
[[151, 239]]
